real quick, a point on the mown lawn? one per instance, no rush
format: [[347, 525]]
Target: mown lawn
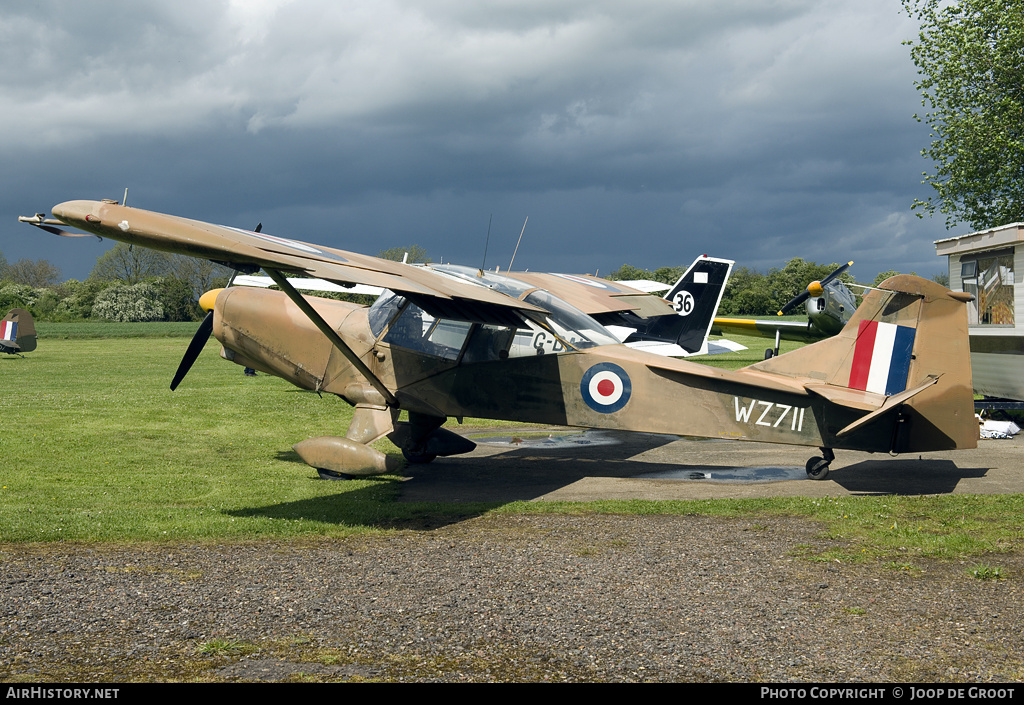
[[95, 447]]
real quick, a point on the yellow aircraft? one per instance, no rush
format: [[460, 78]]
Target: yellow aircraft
[[829, 304], [447, 341]]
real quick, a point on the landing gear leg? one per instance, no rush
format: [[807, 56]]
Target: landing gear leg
[[817, 468]]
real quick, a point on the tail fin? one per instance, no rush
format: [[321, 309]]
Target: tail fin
[[18, 328], [696, 297], [904, 357]]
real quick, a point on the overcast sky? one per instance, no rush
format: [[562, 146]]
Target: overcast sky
[[642, 132]]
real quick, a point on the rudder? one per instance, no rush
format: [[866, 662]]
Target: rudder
[[19, 327], [696, 296], [903, 356]]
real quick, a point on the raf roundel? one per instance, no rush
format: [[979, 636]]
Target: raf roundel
[[605, 387]]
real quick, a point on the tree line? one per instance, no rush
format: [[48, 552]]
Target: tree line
[[753, 293], [131, 284], [127, 284]]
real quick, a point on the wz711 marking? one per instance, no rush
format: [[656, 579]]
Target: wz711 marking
[[770, 414]]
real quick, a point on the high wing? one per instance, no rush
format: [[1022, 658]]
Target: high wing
[[606, 300], [249, 251], [306, 284], [645, 285], [595, 296], [674, 326]]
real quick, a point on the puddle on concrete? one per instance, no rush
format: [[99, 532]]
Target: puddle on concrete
[[597, 437], [547, 440], [755, 474]]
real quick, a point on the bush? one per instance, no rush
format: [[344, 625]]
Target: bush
[[129, 303], [17, 296]]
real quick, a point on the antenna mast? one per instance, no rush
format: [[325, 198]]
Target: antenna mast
[[483, 265], [517, 244]]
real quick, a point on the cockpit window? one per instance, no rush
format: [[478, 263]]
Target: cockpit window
[[557, 328], [383, 310], [417, 330], [569, 323]]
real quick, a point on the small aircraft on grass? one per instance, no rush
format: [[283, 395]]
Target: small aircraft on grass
[[17, 332], [829, 305], [448, 341]]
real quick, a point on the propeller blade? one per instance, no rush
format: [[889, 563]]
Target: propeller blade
[[194, 348], [804, 295], [835, 274], [795, 301]]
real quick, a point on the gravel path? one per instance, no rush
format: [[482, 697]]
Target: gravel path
[[506, 598]]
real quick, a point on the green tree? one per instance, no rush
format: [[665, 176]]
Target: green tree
[[747, 293], [78, 299], [970, 58], [130, 264], [882, 276], [35, 273], [665, 275], [201, 275], [129, 303], [416, 254]]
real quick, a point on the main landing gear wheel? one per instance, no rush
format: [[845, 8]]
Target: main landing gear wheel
[[418, 458]]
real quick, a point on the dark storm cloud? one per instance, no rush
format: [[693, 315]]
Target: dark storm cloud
[[640, 132]]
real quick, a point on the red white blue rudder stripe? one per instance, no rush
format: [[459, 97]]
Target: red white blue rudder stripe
[[881, 358], [606, 387], [8, 330]]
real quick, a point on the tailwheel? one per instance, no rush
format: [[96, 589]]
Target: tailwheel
[[817, 468]]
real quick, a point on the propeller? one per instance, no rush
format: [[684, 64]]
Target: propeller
[[815, 288], [198, 342], [194, 348]]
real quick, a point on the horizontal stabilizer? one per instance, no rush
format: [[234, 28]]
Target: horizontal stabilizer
[[888, 405]]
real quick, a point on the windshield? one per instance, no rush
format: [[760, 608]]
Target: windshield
[[558, 328], [569, 323]]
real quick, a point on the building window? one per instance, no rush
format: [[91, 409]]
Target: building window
[[989, 276]]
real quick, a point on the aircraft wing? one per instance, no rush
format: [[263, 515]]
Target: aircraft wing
[[787, 330], [710, 347], [594, 295], [645, 285], [307, 285], [249, 251]]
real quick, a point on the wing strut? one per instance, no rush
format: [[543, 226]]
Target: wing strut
[[332, 335]]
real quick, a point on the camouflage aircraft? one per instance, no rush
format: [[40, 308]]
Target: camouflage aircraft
[[17, 332], [449, 341], [829, 304]]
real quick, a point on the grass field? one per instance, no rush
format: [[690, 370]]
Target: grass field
[[95, 447]]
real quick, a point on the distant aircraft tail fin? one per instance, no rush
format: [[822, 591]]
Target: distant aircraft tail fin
[[904, 357], [18, 330], [696, 297]]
